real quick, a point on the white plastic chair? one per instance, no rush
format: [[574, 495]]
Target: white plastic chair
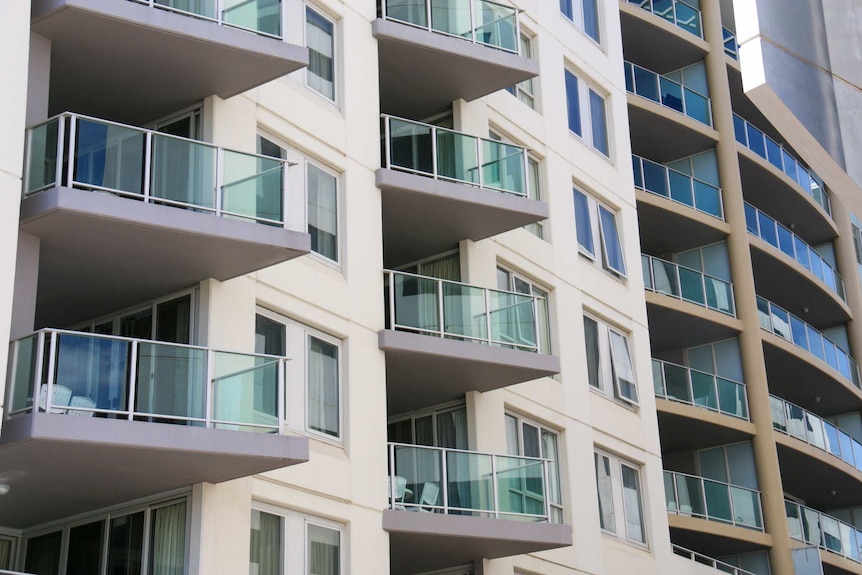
[[430, 491], [400, 491], [81, 401], [60, 399]]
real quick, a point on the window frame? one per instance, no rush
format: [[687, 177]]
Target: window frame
[[313, 521], [324, 15], [607, 371], [527, 96], [583, 101], [574, 11], [598, 234], [620, 511], [309, 162], [558, 509], [290, 525], [545, 342]]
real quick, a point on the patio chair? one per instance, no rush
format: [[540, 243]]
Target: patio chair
[[81, 401], [59, 401]]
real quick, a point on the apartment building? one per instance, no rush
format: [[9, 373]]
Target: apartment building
[[342, 286]]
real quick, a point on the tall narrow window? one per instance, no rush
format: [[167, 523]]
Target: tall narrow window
[[613, 251], [168, 539], [319, 37], [632, 504], [604, 232], [535, 192], [584, 14], [529, 439], [324, 550], [598, 122], [573, 103], [619, 488], [621, 362], [524, 90], [323, 387], [587, 115], [604, 483], [323, 211], [265, 553], [609, 362], [584, 224]]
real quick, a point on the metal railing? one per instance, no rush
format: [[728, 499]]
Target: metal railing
[[758, 142], [455, 481], [681, 188], [669, 278], [669, 93], [824, 531], [93, 375], [778, 236], [800, 423], [262, 17], [101, 156], [787, 326], [478, 21], [712, 500], [731, 48], [700, 389], [454, 310], [676, 12], [708, 561], [445, 154], [7, 572]]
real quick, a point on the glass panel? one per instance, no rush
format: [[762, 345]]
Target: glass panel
[[252, 186], [632, 504], [746, 507], [717, 501], [697, 107], [573, 104], [731, 398], [324, 550], [707, 199], [495, 25], [676, 380], [464, 311], [171, 381], [773, 153], [503, 167], [323, 387], [665, 279], [416, 467], [205, 8], [815, 343], [457, 156], [583, 223], [646, 84], [763, 314], [655, 178], [846, 445], [85, 548], [43, 554], [691, 286], [265, 547], [681, 188], [830, 351], [109, 156], [91, 373], [322, 211], [688, 18], [658, 378], [598, 123], [719, 295], [794, 521], [785, 241], [607, 516], [811, 527], [520, 485], [669, 494], [814, 426], [613, 252], [24, 373], [802, 252], [42, 170], [831, 533], [703, 387], [410, 146], [183, 171], [512, 319], [751, 222], [245, 391], [767, 229], [780, 322], [796, 425], [691, 498], [789, 165], [799, 332], [671, 94], [756, 141], [739, 129], [320, 73], [412, 11], [258, 15], [126, 543], [416, 302], [779, 419], [168, 540]]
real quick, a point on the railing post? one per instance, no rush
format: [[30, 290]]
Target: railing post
[[210, 385], [428, 14], [517, 33], [387, 148], [732, 507], [285, 195], [441, 315], [148, 165], [392, 322], [487, 299], [481, 162], [37, 376], [536, 325], [444, 479], [52, 365], [10, 377], [133, 370], [61, 138], [219, 180], [28, 157], [472, 19], [494, 486], [392, 476], [434, 169], [527, 176], [282, 383], [70, 173], [703, 286], [219, 11], [547, 473]]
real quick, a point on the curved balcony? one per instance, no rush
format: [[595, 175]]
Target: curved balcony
[[676, 12], [227, 47], [702, 559], [826, 532], [433, 326], [665, 34], [450, 506], [434, 52], [678, 187], [687, 284], [731, 48], [109, 202], [130, 418], [441, 187]]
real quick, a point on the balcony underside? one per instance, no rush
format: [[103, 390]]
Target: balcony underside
[[676, 324], [134, 64], [61, 465], [423, 370], [422, 72], [692, 229], [681, 136], [100, 253], [800, 378], [772, 191], [714, 538], [423, 216], [654, 43], [782, 280], [430, 541], [684, 426], [812, 474]]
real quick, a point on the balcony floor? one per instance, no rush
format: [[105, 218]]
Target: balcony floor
[[60, 465]]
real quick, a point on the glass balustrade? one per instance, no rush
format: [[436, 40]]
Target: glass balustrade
[[800, 423], [676, 12], [259, 16], [668, 93], [778, 236], [678, 187], [698, 388], [824, 531], [453, 310], [731, 48], [478, 21], [709, 561], [92, 375], [100, 156], [458, 482], [773, 152], [712, 500], [787, 326], [662, 276], [448, 155]]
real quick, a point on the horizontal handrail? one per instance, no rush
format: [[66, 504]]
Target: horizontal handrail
[[677, 186], [758, 142], [445, 154], [731, 48], [785, 325], [687, 284], [712, 500], [824, 531], [709, 561], [795, 421], [456, 481], [700, 389], [87, 374], [98, 155], [669, 93], [450, 309], [462, 19], [262, 17], [675, 11], [779, 236]]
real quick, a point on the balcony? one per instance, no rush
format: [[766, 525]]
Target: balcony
[[676, 12], [433, 326], [668, 278], [227, 47], [128, 418], [826, 532], [720, 566], [662, 32], [441, 187], [125, 215], [449, 507], [434, 52], [731, 48], [678, 187]]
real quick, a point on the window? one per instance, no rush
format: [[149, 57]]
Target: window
[[585, 15], [534, 190], [587, 113], [524, 90], [287, 542], [315, 360], [530, 439], [596, 224], [441, 426], [320, 40], [609, 362], [510, 281], [619, 488]]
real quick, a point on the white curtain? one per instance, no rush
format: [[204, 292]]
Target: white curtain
[[168, 547], [5, 553], [265, 551], [632, 505], [323, 212], [323, 387], [324, 551], [318, 38]]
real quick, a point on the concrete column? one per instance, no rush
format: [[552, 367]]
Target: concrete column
[[751, 346], [845, 257]]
